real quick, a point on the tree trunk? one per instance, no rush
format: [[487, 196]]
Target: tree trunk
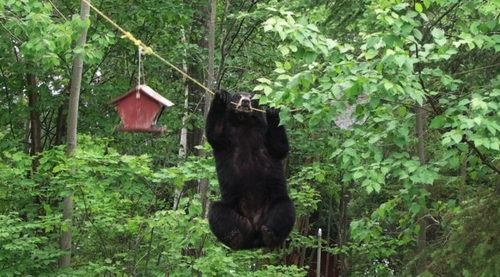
[[343, 230], [422, 240], [327, 263], [463, 175], [61, 122], [203, 188], [35, 126], [198, 72], [305, 232], [74, 97], [183, 143]]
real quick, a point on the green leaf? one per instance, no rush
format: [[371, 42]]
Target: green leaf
[[335, 153], [310, 57], [287, 65], [495, 145], [264, 80], [348, 143], [428, 177], [415, 208], [357, 175], [299, 117], [371, 53], [478, 142], [402, 111], [284, 50], [486, 143], [399, 141], [457, 136], [271, 21], [351, 152], [419, 8], [463, 102], [400, 60], [313, 27], [280, 70], [474, 28], [319, 177], [417, 34], [388, 85], [416, 229], [369, 189], [437, 33], [267, 90], [491, 24], [437, 122], [283, 77], [478, 120]]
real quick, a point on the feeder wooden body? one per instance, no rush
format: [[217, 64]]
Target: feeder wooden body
[[140, 109]]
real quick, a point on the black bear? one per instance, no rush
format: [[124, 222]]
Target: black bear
[[255, 209]]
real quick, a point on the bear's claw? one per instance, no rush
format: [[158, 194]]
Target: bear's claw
[[234, 239], [222, 97], [268, 236]]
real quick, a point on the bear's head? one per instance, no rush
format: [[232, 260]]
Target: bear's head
[[244, 108]]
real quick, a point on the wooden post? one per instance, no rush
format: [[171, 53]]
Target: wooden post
[[318, 263]]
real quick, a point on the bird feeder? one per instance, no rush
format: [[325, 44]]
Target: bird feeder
[[140, 108]]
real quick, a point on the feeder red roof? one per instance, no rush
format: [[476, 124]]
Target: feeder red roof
[[149, 92], [139, 110]]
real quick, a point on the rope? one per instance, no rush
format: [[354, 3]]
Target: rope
[[148, 50], [142, 70], [139, 53]]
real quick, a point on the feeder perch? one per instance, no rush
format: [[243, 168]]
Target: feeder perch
[[140, 108]]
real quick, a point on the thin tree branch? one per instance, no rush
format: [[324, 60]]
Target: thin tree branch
[[422, 84], [439, 19], [248, 34], [9, 102], [482, 157], [476, 69], [226, 52]]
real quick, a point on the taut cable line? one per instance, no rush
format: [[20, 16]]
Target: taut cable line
[[148, 50]]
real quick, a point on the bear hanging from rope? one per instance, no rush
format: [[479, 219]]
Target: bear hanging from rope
[[248, 145]]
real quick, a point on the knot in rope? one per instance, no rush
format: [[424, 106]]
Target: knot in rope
[[129, 36], [148, 50]]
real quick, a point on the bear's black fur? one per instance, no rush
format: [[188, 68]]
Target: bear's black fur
[[255, 210]]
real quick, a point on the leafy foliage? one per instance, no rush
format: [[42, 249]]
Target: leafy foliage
[[349, 77]]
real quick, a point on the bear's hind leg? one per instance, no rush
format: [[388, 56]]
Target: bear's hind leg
[[278, 223], [230, 227]]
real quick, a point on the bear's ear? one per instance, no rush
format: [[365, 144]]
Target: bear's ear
[[235, 97], [244, 93], [226, 93]]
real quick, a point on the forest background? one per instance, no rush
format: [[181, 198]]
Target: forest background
[[392, 109]]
